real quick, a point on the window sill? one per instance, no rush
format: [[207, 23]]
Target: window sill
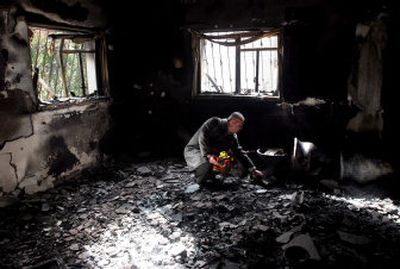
[[236, 96], [54, 105]]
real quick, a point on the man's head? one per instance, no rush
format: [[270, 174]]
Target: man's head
[[235, 122]]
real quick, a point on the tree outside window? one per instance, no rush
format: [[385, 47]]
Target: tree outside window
[[63, 64]]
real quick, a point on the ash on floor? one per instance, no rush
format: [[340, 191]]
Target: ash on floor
[[154, 215]]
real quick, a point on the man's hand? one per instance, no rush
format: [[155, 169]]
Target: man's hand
[[213, 161], [257, 174]]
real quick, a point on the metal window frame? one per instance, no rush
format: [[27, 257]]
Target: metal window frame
[[81, 34], [238, 77]]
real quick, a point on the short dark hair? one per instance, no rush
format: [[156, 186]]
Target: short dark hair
[[236, 115]]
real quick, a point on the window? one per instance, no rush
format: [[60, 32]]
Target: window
[[63, 64], [239, 63]]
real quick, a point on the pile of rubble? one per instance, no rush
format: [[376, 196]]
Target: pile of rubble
[[154, 215]]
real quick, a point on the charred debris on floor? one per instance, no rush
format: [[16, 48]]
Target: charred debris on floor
[[154, 215]]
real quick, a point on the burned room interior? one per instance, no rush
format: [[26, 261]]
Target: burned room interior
[[98, 101]]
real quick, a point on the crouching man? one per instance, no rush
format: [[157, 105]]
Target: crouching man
[[217, 135]]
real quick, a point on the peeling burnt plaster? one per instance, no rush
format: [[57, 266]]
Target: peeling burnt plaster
[[13, 166], [63, 120], [51, 153], [18, 126], [15, 64], [83, 139], [8, 172], [22, 149], [86, 13], [61, 159], [83, 156], [16, 100], [20, 33], [32, 184]]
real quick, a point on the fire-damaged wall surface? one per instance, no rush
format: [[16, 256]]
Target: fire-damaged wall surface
[[37, 148], [320, 54], [154, 109], [60, 142]]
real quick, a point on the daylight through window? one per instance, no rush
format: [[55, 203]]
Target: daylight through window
[[63, 64], [240, 63]]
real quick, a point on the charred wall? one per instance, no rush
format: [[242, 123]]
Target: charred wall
[[61, 143], [39, 147], [155, 110], [150, 93]]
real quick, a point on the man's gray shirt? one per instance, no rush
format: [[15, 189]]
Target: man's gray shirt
[[211, 138]]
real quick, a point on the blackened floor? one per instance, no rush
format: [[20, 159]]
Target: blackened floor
[[153, 215]]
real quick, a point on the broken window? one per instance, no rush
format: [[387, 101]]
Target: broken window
[[239, 63], [64, 64]]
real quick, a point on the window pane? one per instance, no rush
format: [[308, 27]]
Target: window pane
[[247, 72], [79, 65], [218, 67], [90, 69], [268, 72], [258, 66], [72, 69]]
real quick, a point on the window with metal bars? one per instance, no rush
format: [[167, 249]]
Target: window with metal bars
[[239, 63]]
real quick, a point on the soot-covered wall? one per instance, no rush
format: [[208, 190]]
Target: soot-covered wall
[[39, 147], [155, 110]]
